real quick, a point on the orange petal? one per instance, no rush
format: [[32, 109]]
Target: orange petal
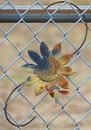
[[58, 47], [52, 94], [67, 71], [62, 82], [56, 50], [64, 92], [65, 59]]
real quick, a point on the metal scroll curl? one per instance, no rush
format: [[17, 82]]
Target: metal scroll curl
[[83, 18], [7, 104]]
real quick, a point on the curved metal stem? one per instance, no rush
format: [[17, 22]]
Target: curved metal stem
[[6, 105]]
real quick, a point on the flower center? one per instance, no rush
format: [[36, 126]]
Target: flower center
[[50, 70]]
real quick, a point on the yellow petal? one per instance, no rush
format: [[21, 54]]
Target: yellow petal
[[67, 71], [65, 59], [39, 85], [38, 90], [32, 80], [30, 70], [62, 82]]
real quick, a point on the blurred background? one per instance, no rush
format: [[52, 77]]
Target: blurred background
[[21, 36]]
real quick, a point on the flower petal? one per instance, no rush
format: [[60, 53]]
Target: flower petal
[[64, 92], [67, 71], [31, 80], [40, 87], [35, 57], [56, 50], [56, 95], [52, 94], [44, 50], [29, 67], [62, 82], [65, 59], [38, 90]]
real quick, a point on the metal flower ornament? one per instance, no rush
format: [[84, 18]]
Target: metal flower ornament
[[49, 72]]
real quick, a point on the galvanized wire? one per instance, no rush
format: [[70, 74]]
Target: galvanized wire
[[50, 16]]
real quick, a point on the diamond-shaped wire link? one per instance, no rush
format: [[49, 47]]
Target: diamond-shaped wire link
[[43, 106]]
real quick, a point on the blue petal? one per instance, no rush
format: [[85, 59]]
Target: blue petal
[[34, 56], [30, 66], [44, 50]]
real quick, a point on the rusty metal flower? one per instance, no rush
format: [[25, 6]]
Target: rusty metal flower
[[49, 71]]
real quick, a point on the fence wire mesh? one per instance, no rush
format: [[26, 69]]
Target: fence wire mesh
[[69, 113]]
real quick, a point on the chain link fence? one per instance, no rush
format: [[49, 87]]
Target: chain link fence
[[22, 28]]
